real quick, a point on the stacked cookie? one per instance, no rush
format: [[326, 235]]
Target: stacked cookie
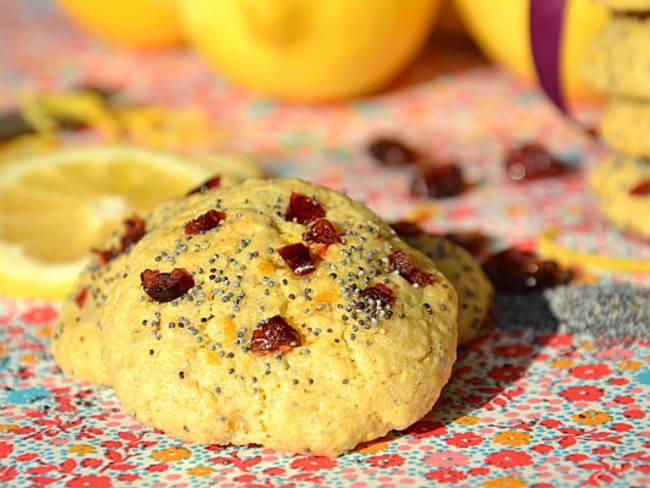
[[618, 62]]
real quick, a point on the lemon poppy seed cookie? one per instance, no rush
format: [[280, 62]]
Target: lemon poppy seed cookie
[[627, 5], [622, 185], [465, 274], [618, 59], [624, 125], [289, 316], [77, 334]]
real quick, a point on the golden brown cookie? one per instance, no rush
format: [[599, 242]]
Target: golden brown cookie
[[617, 61], [627, 5], [625, 124], [466, 275], [280, 313], [622, 185]]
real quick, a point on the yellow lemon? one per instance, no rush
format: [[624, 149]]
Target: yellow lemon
[[501, 29], [302, 49], [137, 23]]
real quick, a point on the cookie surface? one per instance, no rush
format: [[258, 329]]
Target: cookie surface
[[371, 339], [617, 61], [77, 335], [627, 5], [624, 125], [468, 278], [613, 182]]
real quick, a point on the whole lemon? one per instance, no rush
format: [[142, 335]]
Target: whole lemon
[[309, 50], [135, 23], [501, 28]]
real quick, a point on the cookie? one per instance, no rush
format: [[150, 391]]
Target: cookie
[[618, 59], [624, 125], [627, 5], [77, 334], [622, 185], [466, 275], [279, 313]]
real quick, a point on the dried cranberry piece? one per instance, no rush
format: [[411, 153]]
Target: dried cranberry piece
[[404, 266], [303, 209], [531, 162], [322, 232], [298, 258], [209, 220], [474, 242], [164, 287], [380, 293], [438, 181], [391, 152], [518, 271], [274, 334], [404, 228], [134, 230], [207, 185], [80, 298], [642, 188]]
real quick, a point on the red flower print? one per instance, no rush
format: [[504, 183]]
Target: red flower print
[[576, 458], [90, 481], [273, 471], [620, 427], [556, 340], [508, 458], [313, 463], [386, 460], [156, 468], [550, 423], [582, 393], [128, 477], [426, 428], [91, 462], [624, 399], [40, 315], [445, 475], [507, 373], [604, 450], [618, 381], [590, 371], [464, 439], [111, 444], [634, 414], [543, 485], [542, 448], [513, 350], [7, 474], [30, 456], [5, 449], [479, 471]]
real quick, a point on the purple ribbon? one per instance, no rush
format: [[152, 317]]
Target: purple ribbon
[[546, 22]]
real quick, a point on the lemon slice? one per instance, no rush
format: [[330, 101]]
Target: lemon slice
[[55, 206]]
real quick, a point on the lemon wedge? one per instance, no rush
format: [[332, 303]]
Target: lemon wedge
[[57, 205]]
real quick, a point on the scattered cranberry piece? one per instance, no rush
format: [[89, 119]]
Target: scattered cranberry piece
[[322, 232], [532, 162], [274, 334], [404, 266], [134, 230], [207, 185], [303, 209], [380, 293], [164, 287], [642, 188], [80, 298], [391, 152], [207, 221], [474, 242], [438, 181], [298, 258], [516, 270], [404, 228]]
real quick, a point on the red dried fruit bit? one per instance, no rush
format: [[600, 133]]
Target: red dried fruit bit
[[80, 298], [298, 258], [134, 230], [209, 220], [322, 232], [404, 228], [164, 287], [272, 335], [642, 188], [518, 271], [303, 209], [207, 185], [438, 181], [391, 152], [474, 242], [531, 162], [404, 266], [380, 293]]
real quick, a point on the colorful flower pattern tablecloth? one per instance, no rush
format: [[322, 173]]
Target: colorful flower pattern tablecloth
[[534, 408]]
